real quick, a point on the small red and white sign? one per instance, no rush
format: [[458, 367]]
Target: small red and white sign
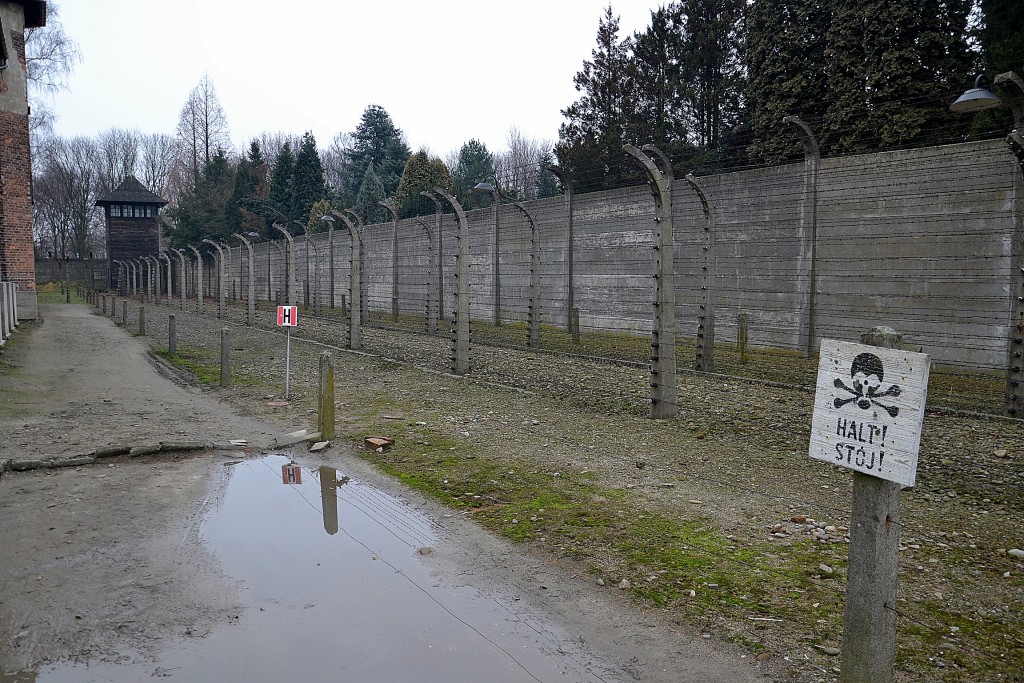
[[291, 474], [287, 316]]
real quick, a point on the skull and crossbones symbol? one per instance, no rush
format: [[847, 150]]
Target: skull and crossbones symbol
[[867, 374]]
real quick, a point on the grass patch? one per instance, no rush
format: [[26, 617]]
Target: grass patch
[[205, 370], [51, 293]]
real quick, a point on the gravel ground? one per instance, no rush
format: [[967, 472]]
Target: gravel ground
[[734, 459]]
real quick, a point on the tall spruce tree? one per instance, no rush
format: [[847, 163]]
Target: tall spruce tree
[[475, 164], [590, 141], [307, 178], [658, 112], [280, 194], [1001, 34], [785, 59], [377, 142]]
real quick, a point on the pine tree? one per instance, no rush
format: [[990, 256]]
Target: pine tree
[[377, 142], [307, 178], [280, 195], [785, 58], [371, 192], [547, 183], [475, 164], [421, 174], [658, 90], [1002, 36], [590, 141]]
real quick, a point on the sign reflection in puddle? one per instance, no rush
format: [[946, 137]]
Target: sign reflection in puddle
[[348, 599]]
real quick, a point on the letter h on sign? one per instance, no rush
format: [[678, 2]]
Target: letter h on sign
[[287, 316]]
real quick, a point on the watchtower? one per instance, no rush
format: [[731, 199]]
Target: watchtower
[[133, 223]]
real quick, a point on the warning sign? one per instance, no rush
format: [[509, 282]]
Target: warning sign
[[869, 408], [287, 316], [291, 474]]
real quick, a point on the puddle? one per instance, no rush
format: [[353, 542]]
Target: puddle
[[334, 587]]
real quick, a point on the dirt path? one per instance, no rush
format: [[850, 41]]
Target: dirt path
[[105, 562]]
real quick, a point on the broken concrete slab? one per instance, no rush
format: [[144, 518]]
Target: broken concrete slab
[[148, 449], [227, 446], [112, 451], [294, 438], [172, 446], [319, 446], [74, 462], [26, 465]]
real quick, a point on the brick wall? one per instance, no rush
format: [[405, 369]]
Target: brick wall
[[16, 256]]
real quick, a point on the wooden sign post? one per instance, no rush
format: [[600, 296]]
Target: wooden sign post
[[868, 413]]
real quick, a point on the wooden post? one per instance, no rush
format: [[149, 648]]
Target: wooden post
[[124, 313], [142, 321], [325, 398], [869, 617], [172, 335], [225, 358], [741, 337]]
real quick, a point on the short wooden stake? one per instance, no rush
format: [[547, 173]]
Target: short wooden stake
[[172, 335], [225, 358]]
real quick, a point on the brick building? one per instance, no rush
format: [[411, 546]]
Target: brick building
[[17, 263], [133, 223]]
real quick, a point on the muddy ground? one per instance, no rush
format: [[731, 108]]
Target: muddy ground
[[105, 559]]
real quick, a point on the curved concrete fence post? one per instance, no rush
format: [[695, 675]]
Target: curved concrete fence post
[[198, 279], [807, 261], [315, 294], [394, 258], [432, 300], [664, 392], [439, 251], [289, 266], [364, 298], [706, 319], [354, 319], [250, 295], [460, 330], [149, 278], [170, 278], [221, 301], [572, 316], [182, 280], [533, 310], [1012, 86]]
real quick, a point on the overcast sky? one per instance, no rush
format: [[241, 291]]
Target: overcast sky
[[446, 71]]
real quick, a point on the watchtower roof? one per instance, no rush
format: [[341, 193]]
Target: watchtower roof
[[131, 191]]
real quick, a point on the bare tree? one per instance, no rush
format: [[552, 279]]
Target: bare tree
[[518, 166], [65, 192], [117, 157], [202, 128], [157, 155], [337, 161], [50, 57], [271, 144]]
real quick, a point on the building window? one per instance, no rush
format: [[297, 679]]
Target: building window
[[115, 210]]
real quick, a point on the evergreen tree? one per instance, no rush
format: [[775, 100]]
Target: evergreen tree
[[202, 212], [714, 39], [377, 142], [547, 183], [371, 192], [475, 164], [319, 209], [658, 114], [421, 174], [785, 58], [590, 141], [1002, 36], [280, 194], [892, 65], [307, 178]]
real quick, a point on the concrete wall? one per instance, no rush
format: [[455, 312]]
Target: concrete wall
[[920, 240]]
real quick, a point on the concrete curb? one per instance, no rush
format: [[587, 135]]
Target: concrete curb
[[115, 451]]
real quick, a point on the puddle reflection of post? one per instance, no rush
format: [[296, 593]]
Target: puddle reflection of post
[[329, 498]]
